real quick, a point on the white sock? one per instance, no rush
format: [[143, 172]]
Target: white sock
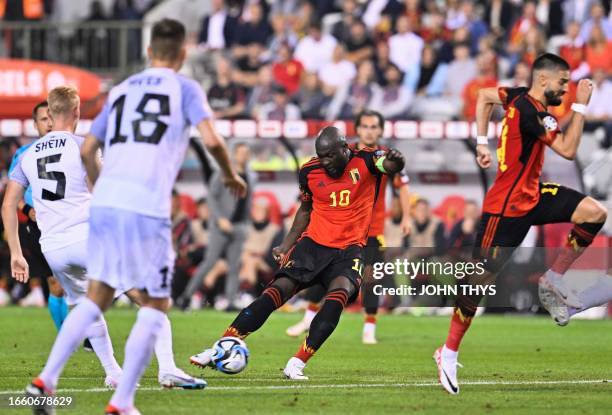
[[97, 333], [554, 276], [163, 348], [68, 339], [597, 294], [448, 353], [369, 328], [309, 315], [138, 351]]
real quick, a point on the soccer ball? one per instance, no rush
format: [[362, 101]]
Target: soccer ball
[[231, 355]]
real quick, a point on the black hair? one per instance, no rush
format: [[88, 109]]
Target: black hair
[[551, 62], [370, 113], [167, 37], [37, 107]]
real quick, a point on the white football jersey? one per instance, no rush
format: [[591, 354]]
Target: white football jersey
[[144, 127], [52, 167]]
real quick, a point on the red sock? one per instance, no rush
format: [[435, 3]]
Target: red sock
[[370, 318], [458, 327], [305, 352], [575, 244], [314, 307]]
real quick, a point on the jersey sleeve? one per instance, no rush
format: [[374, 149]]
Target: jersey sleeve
[[98, 127], [195, 105], [370, 158], [506, 95], [16, 173], [305, 193], [538, 125]]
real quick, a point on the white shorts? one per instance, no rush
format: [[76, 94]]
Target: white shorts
[[68, 265], [129, 250]]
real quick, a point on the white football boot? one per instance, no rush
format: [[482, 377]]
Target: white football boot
[[179, 379], [204, 359], [369, 334], [447, 371], [295, 369], [298, 329]]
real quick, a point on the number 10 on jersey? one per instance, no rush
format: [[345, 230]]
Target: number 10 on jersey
[[341, 198]]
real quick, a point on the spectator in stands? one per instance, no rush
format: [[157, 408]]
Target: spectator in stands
[[597, 18], [599, 111], [287, 71], [499, 17], [316, 49], [395, 239], [572, 46], [447, 50], [414, 14], [392, 100], [427, 236], [228, 225], [312, 101], [256, 258], [487, 77], [380, 14], [381, 62], [353, 98], [337, 73], [577, 11], [455, 17], [262, 93], [255, 30], [419, 76], [359, 45], [280, 109], [523, 24], [532, 45], [405, 46], [463, 233], [521, 78], [282, 34], [247, 67], [599, 51], [434, 32], [226, 99], [549, 14], [474, 24], [218, 28], [342, 28], [199, 231], [446, 103]]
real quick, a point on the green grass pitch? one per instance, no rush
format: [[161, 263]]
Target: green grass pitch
[[512, 365]]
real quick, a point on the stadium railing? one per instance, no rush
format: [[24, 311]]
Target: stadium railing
[[104, 47]]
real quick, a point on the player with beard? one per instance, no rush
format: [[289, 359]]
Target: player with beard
[[517, 200]]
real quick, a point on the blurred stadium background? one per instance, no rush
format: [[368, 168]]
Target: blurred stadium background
[[277, 70]]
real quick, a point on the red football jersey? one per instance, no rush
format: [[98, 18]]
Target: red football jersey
[[526, 131], [380, 209], [341, 208]]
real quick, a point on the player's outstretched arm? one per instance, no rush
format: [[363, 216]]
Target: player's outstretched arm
[[566, 144], [19, 266], [300, 223], [404, 199], [91, 161], [215, 144], [486, 101], [391, 163]]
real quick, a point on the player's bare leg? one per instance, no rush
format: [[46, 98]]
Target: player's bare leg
[[322, 326], [588, 219]]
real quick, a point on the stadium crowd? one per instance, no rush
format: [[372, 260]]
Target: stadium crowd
[[299, 59]]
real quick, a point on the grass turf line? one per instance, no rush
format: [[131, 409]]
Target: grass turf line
[[511, 364]]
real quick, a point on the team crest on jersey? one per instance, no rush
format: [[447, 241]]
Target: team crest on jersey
[[355, 175], [379, 153]]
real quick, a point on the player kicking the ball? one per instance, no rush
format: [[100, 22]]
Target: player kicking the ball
[[369, 126], [324, 247], [518, 200], [144, 128]]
